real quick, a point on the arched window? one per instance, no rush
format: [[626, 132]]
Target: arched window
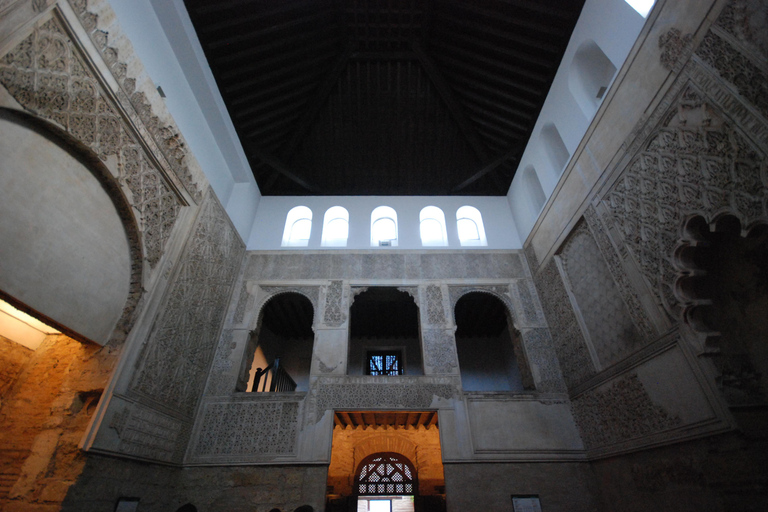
[[432, 227], [555, 149], [470, 225], [533, 189], [589, 76], [383, 226], [385, 474], [335, 227], [642, 6], [298, 226]]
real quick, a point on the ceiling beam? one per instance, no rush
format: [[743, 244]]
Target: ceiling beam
[[514, 151], [447, 95], [281, 168], [315, 104]]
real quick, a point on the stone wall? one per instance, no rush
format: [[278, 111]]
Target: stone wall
[[560, 486], [164, 488], [44, 413]]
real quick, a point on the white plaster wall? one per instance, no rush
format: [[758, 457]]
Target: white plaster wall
[[267, 232], [63, 249], [614, 25], [164, 39]]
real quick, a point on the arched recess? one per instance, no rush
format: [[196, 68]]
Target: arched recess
[[722, 286], [554, 147], [534, 190], [432, 227], [490, 350], [386, 474], [384, 226], [469, 222], [335, 227], [284, 333], [589, 76], [70, 250]]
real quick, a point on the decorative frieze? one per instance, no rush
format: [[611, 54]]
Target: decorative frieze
[[389, 394], [310, 292], [247, 429]]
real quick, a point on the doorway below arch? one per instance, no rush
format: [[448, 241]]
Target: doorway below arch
[[386, 461]]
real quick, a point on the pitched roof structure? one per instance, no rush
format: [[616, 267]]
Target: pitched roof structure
[[384, 97]]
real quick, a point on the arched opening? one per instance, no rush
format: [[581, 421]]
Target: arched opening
[[384, 334], [534, 190], [298, 227], [279, 352], [724, 287], [187, 508], [384, 227], [590, 75], [65, 254], [491, 356], [469, 223], [555, 149], [432, 227], [335, 227]]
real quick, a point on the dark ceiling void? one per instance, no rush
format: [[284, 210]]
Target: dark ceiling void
[[480, 314], [385, 313], [384, 97]]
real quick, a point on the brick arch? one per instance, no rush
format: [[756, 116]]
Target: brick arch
[[385, 441]]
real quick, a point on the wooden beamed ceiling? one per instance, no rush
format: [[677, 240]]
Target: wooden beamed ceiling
[[384, 97]]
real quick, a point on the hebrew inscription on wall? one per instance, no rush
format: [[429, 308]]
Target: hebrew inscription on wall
[[176, 358]]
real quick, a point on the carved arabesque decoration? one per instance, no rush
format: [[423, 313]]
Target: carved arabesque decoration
[[247, 429], [439, 351], [540, 354], [334, 316], [310, 292], [501, 292], [46, 75], [176, 358], [390, 394], [219, 382], [568, 342], [147, 433], [166, 137], [435, 311], [673, 47], [621, 412], [695, 162]]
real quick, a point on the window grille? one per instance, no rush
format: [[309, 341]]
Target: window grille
[[384, 363], [385, 474]]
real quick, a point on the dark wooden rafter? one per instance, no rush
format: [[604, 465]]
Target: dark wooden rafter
[[450, 100], [314, 105], [281, 168], [492, 166]]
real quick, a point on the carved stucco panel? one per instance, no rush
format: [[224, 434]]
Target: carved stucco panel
[[176, 358], [146, 433], [542, 361], [334, 314], [435, 311], [633, 306], [569, 345], [621, 411], [439, 352], [221, 382], [46, 74], [694, 162], [610, 328], [260, 428]]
